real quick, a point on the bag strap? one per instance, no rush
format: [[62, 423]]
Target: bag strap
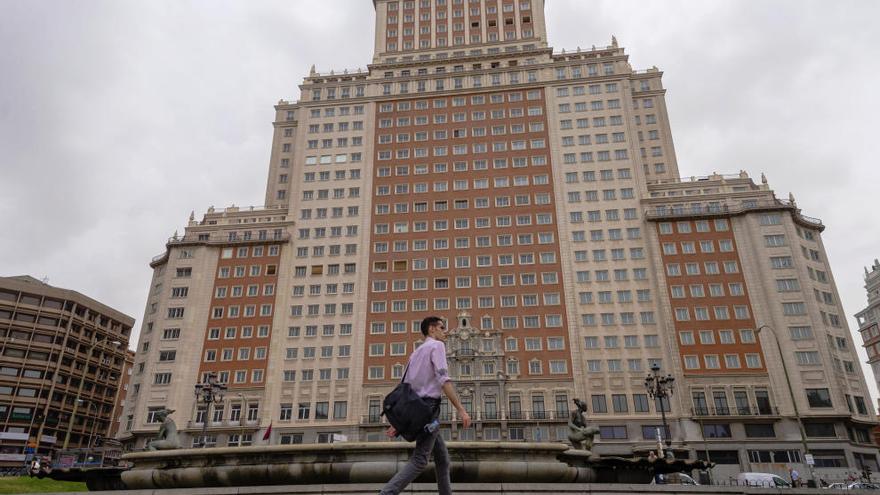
[[405, 370]]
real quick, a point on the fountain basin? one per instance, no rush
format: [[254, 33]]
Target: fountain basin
[[350, 463]]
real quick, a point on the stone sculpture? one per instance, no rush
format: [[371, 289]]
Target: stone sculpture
[[167, 438], [580, 435]]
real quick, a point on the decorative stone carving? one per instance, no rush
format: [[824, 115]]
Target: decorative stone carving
[[581, 435]]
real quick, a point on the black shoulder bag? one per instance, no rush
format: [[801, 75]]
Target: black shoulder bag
[[406, 411]]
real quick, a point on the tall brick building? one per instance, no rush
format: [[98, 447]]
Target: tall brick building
[[533, 199]]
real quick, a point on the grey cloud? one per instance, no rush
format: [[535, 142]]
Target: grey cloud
[[117, 118]]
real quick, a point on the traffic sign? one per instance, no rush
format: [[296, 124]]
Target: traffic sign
[[809, 459]]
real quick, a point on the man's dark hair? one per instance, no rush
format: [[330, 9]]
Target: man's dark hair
[[427, 322]]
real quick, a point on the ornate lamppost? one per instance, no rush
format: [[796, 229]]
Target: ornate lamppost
[[209, 392], [660, 387]]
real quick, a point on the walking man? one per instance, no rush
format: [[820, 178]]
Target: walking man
[[428, 375]]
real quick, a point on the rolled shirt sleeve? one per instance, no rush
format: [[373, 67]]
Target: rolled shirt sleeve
[[438, 359]]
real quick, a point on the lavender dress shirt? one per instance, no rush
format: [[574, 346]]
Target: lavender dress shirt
[[427, 370]]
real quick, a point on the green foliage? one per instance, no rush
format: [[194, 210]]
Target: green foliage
[[25, 484]]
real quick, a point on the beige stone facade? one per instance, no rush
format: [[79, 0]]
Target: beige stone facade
[[533, 199]]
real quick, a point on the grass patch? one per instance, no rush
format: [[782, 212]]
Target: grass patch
[[25, 484]]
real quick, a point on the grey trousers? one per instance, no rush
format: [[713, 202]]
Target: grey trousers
[[425, 444]]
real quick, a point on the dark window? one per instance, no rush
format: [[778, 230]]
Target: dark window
[[762, 400], [293, 438], [720, 456], [561, 406], [515, 408], [599, 404], [649, 432], [829, 458], [640, 403], [856, 434], [322, 410], [760, 430], [374, 410], [612, 432], [818, 397], [820, 430], [760, 456], [742, 402], [721, 430], [720, 400], [700, 407]]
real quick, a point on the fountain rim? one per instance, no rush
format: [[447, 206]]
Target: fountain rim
[[547, 447]]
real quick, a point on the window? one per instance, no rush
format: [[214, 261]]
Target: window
[[794, 308], [819, 429], [612, 432], [649, 432], [807, 357], [759, 430], [775, 240], [818, 397], [720, 430], [162, 378]]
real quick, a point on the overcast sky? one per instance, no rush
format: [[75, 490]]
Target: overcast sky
[[119, 117]]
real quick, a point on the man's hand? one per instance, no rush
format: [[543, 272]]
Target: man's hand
[[465, 417], [391, 432]]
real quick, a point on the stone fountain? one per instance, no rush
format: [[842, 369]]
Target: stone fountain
[[167, 466]]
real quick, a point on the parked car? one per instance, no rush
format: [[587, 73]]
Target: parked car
[[674, 479], [861, 485], [837, 486], [762, 479]]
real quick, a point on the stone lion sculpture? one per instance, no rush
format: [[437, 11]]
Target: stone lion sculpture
[[167, 439], [580, 435]]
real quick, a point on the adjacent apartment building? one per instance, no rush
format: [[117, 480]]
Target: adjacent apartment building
[[532, 197], [61, 363]]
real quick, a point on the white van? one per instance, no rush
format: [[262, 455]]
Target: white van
[[766, 480]]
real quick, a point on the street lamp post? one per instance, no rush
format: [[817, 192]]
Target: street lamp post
[[94, 425], [660, 387], [797, 414], [209, 392]]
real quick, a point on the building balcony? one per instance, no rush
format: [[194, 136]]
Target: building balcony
[[515, 416], [740, 412], [276, 236], [660, 213]]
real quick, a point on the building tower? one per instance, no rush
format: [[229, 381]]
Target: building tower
[[869, 318], [533, 198]]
